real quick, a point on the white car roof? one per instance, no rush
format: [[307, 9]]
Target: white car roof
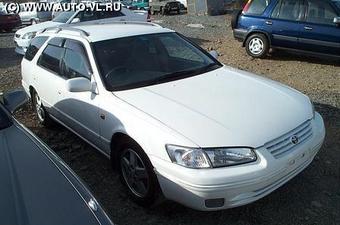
[[98, 32]]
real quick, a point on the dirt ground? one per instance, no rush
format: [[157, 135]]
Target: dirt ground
[[313, 197]]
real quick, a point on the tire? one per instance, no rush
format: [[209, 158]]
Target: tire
[[147, 195], [42, 114], [162, 10], [178, 11], [33, 21], [234, 18], [257, 45]]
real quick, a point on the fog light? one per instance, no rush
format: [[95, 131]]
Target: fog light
[[214, 203]]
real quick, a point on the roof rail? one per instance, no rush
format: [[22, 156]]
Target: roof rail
[[58, 29], [124, 22]]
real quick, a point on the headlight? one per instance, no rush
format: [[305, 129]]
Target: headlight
[[188, 157], [29, 35], [210, 157], [230, 156]]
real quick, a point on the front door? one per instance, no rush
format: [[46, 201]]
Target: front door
[[79, 109]]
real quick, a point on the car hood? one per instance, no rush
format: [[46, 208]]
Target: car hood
[[33, 189], [224, 107], [37, 27]]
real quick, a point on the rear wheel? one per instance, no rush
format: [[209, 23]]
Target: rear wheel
[[137, 173], [42, 114], [257, 45]]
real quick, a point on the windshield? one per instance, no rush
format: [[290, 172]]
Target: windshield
[[63, 17], [337, 3], [144, 60]]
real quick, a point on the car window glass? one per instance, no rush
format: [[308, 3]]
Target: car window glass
[[63, 17], [108, 14], [257, 7], [320, 12], [50, 58], [179, 49], [5, 121], [34, 47], [75, 62], [287, 9], [87, 16]]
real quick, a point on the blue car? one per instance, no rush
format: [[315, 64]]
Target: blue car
[[302, 25]]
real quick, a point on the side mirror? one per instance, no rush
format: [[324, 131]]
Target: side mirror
[[214, 54], [14, 99], [78, 84], [336, 20], [75, 20]]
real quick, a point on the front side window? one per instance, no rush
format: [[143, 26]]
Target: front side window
[[144, 60], [287, 10], [50, 58], [320, 12], [256, 7], [34, 47], [75, 62]]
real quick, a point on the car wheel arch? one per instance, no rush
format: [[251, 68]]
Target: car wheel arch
[[256, 32], [118, 138]]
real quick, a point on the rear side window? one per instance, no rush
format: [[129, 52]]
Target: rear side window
[[50, 58], [256, 7], [287, 10], [34, 47]]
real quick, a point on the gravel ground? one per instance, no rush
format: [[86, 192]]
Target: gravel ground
[[313, 197]]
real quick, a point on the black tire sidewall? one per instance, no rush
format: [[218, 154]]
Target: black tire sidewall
[[153, 190], [265, 41], [47, 120]]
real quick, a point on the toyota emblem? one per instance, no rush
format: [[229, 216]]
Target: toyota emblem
[[294, 139]]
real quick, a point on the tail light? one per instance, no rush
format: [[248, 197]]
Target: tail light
[[246, 7]]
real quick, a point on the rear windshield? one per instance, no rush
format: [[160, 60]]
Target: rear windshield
[[256, 7]]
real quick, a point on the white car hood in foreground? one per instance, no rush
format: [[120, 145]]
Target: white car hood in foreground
[[224, 107], [37, 27]]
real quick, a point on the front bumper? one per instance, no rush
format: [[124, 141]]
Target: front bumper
[[21, 45], [237, 185]]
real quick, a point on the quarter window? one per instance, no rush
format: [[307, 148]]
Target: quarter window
[[287, 10], [34, 47], [320, 12], [256, 7], [50, 58]]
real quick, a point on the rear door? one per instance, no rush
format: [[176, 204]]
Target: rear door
[[318, 32], [284, 23], [50, 84]]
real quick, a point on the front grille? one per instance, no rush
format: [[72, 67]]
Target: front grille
[[17, 35], [289, 141]]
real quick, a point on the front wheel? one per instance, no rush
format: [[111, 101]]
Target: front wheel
[[137, 174], [257, 45]]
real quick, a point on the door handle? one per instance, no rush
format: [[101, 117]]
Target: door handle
[[268, 22], [308, 28]]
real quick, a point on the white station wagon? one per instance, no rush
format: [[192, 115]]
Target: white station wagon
[[172, 119]]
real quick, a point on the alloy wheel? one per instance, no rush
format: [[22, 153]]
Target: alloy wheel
[[134, 173], [256, 46]]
